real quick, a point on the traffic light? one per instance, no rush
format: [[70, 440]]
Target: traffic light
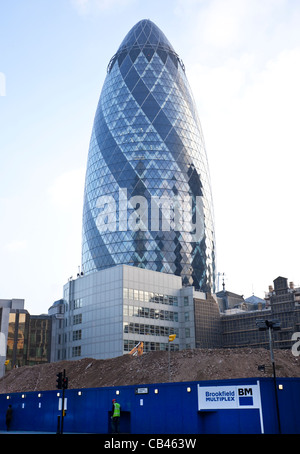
[[59, 380], [65, 383]]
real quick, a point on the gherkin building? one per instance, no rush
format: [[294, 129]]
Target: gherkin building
[[147, 198]]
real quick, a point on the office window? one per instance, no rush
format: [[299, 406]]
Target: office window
[[77, 319], [77, 335], [76, 351]]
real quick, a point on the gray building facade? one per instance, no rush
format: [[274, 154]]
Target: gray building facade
[[106, 313]]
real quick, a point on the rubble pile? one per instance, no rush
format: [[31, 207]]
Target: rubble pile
[[185, 365]]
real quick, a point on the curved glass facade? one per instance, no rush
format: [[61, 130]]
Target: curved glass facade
[[147, 200]]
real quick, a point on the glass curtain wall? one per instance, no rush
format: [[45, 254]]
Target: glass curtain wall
[[147, 199]]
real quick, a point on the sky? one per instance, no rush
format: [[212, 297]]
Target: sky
[[242, 60]]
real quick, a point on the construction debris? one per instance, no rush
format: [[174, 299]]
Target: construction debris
[[185, 365]]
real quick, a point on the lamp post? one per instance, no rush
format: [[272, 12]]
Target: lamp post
[[171, 339], [270, 325]]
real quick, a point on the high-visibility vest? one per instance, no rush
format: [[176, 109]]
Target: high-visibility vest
[[117, 410]]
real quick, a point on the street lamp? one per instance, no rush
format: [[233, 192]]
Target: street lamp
[[270, 325], [171, 339]]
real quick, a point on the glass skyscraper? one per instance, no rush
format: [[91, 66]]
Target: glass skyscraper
[[147, 200]]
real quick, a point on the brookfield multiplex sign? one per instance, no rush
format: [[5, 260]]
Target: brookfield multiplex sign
[[230, 397]]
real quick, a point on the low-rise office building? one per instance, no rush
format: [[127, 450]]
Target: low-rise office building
[[24, 338], [106, 313]]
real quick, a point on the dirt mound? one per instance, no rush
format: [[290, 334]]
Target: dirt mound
[[185, 365]]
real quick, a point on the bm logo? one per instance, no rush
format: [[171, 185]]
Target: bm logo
[[245, 396]]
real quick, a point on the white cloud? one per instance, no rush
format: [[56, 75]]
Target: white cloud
[[66, 192], [244, 72], [251, 126], [219, 29], [16, 246], [223, 22], [80, 5]]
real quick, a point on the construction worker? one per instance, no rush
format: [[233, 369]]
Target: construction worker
[[116, 413], [9, 413]]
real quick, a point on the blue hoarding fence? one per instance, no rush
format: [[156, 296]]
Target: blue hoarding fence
[[206, 407]]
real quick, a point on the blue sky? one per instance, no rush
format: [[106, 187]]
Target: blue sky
[[242, 59]]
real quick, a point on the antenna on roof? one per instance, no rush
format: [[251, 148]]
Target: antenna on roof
[[223, 283]]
